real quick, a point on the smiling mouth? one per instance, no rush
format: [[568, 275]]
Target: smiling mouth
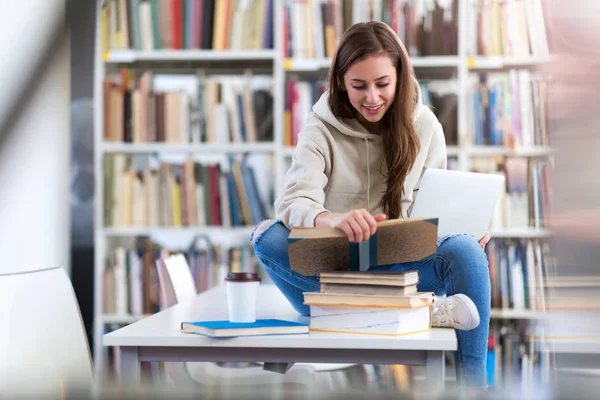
[[373, 110]]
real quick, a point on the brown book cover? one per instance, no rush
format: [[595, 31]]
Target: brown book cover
[[136, 116], [148, 261], [151, 118], [215, 203], [219, 24], [313, 250], [190, 192], [241, 191], [328, 15], [347, 14], [165, 22], [106, 104], [160, 117], [183, 194], [118, 115]]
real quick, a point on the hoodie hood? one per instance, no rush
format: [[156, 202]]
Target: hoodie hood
[[351, 126], [338, 166]]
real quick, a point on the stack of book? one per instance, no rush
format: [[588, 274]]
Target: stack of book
[[376, 303]]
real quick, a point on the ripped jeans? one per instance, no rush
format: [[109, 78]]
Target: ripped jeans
[[460, 266]]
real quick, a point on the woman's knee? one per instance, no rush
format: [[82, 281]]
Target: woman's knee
[[260, 228], [270, 237], [464, 253]]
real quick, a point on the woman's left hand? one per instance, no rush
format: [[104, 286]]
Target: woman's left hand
[[484, 240]]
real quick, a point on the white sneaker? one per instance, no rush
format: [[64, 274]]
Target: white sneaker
[[458, 312]]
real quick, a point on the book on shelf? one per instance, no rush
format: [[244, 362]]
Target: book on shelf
[[302, 94], [223, 329], [144, 191], [506, 28], [527, 199], [515, 358], [518, 270], [131, 284], [190, 108], [441, 98], [571, 293], [316, 250], [187, 24], [313, 28], [130, 281], [510, 109]]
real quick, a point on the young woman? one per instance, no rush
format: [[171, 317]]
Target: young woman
[[359, 160]]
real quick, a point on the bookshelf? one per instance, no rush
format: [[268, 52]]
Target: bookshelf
[[459, 67]]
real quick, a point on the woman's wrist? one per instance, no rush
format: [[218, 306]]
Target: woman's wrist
[[322, 219]]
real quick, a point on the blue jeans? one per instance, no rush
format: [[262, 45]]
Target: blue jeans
[[460, 266]]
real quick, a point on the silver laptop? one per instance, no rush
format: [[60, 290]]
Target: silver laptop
[[464, 202]]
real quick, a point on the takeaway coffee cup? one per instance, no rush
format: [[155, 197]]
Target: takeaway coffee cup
[[242, 291]]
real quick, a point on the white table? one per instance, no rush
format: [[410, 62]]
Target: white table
[[158, 338]]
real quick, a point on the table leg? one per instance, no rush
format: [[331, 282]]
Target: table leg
[[130, 366], [435, 370], [280, 368]]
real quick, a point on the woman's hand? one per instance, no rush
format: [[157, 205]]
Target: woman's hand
[[484, 240], [358, 225]]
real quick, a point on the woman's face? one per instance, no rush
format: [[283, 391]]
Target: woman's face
[[371, 87]]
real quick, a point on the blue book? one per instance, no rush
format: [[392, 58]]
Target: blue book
[[230, 329], [478, 119], [493, 117], [234, 201]]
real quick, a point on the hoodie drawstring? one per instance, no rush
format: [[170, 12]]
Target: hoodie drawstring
[[368, 175]]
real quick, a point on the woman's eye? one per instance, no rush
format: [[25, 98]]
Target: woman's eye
[[379, 85]]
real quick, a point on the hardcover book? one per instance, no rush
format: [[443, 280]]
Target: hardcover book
[[313, 250], [231, 329]]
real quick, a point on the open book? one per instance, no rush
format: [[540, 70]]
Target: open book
[[313, 250]]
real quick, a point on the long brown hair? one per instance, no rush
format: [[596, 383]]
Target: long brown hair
[[400, 141]]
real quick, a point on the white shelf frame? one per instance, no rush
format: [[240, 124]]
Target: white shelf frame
[[133, 56], [279, 66], [520, 233], [98, 325], [322, 64], [490, 151], [127, 231], [482, 63], [203, 148]]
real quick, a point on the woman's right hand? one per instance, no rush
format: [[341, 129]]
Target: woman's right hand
[[358, 225]]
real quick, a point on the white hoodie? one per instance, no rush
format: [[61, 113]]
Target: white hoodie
[[339, 166]]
